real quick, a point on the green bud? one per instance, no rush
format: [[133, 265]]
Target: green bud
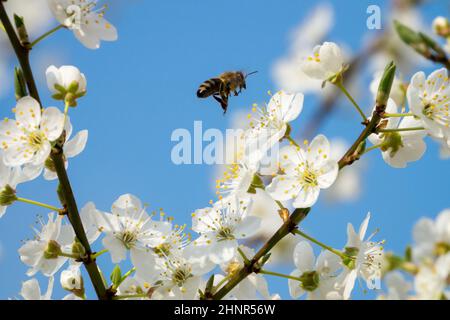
[[411, 38], [21, 30], [441, 27], [384, 90], [53, 250], [310, 280], [209, 286], [408, 254], [116, 276], [7, 196], [440, 53], [20, 87], [393, 262]]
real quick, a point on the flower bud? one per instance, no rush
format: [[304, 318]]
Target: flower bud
[[441, 27], [116, 276], [71, 280], [67, 83], [384, 90], [21, 30], [53, 250], [7, 196], [20, 87]]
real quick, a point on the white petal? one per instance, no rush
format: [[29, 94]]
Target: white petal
[[31, 290], [284, 188], [247, 227], [364, 226], [116, 248], [76, 145], [145, 264], [306, 197], [28, 113], [53, 77], [295, 289], [329, 174], [223, 251], [304, 257], [52, 123]]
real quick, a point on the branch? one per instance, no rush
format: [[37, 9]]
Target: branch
[[299, 215], [22, 54]]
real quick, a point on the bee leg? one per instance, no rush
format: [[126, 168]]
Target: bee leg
[[223, 104]]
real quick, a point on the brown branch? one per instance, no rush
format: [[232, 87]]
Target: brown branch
[[69, 202]]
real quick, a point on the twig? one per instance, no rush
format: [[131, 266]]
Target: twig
[[22, 54]]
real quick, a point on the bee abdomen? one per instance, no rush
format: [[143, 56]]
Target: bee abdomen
[[209, 87]]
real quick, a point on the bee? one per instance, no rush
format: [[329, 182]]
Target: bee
[[220, 88]]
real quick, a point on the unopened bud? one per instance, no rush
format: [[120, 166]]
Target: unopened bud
[[53, 250], [71, 280], [384, 90], [441, 27], [21, 30], [20, 87], [7, 196], [116, 276]]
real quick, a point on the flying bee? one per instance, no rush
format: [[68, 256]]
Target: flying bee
[[220, 88]]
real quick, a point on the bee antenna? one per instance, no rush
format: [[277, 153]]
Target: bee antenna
[[249, 74]]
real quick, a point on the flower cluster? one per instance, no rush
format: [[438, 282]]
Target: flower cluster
[[273, 172]]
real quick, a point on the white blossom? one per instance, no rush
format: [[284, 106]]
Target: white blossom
[[325, 63], [72, 147], [32, 291], [41, 253], [10, 177], [221, 226], [431, 282], [431, 238], [179, 275], [318, 277], [397, 287], [428, 100], [27, 140], [287, 71], [366, 257], [400, 148], [71, 278], [129, 228], [85, 20], [270, 124], [305, 173], [64, 77]]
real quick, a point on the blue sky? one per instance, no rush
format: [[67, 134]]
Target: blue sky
[[142, 87]]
